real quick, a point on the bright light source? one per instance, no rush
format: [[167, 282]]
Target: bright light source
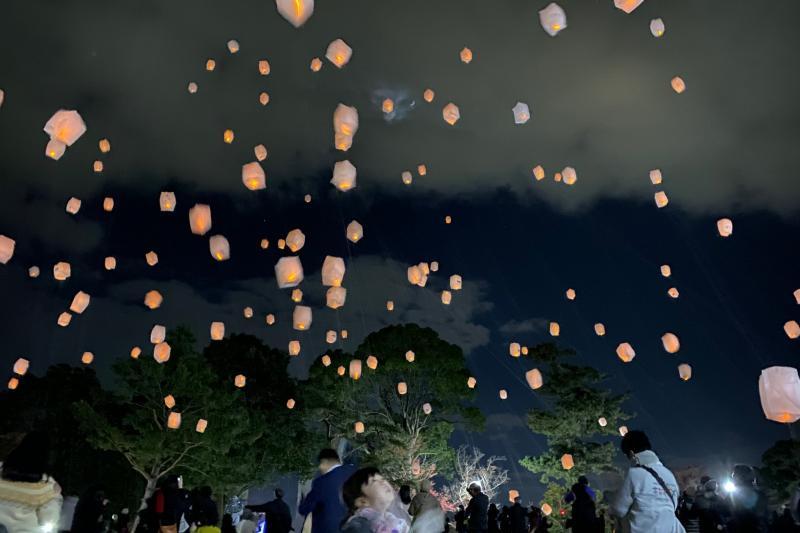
[[48, 527], [729, 487]]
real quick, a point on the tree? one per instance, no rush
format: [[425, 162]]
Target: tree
[[469, 466], [134, 423], [780, 470], [574, 402]]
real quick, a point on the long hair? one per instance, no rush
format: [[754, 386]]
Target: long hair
[[27, 463]]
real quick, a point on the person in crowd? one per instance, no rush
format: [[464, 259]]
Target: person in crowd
[[227, 524], [583, 481], [247, 523], [783, 523], [534, 514], [89, 511], [648, 497], [425, 509], [203, 507], [748, 505], [493, 516], [477, 510], [583, 518], [168, 505], [461, 519], [601, 521], [368, 497], [324, 501], [505, 520], [277, 513], [30, 500], [710, 507], [517, 516]]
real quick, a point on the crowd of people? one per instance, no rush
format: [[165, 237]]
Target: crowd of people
[[349, 500]]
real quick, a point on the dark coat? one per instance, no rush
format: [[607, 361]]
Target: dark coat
[[478, 513], [277, 513], [518, 519], [324, 501]]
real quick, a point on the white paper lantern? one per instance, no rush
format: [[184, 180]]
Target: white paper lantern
[[288, 272], [779, 389], [296, 12], [553, 19], [344, 176], [333, 270], [522, 113]]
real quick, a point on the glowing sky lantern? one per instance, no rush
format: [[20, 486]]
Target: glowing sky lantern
[[538, 172], [455, 282], [253, 176], [555, 329], [269, 319], [344, 176], [33, 271], [297, 295], [73, 206], [625, 352], [296, 12], [448, 219], [657, 27], [792, 329], [290, 403], [136, 352], [64, 319], [2, 97], [219, 247], [389, 305], [233, 46], [288, 272], [108, 204], [62, 271], [534, 378], [260, 152], [796, 295], [158, 334], [466, 55], [341, 370], [602, 421], [345, 126], [167, 201], [428, 95], [192, 87], [627, 5], [434, 266], [451, 114], [169, 401], [263, 98], [671, 342], [247, 312], [13, 383], [295, 240], [372, 362], [335, 297], [553, 19], [80, 302], [416, 276], [330, 336], [200, 219], [294, 348], [406, 177], [339, 53], [599, 329], [307, 198], [522, 113], [240, 380], [685, 371], [161, 352], [110, 263], [326, 360], [427, 409], [55, 149], [211, 65], [678, 85], [151, 258], [281, 244], [174, 420], [402, 388], [87, 358], [333, 271], [217, 330], [7, 245], [503, 394], [661, 199], [104, 145], [547, 510], [201, 426], [514, 349], [387, 106], [65, 126], [666, 271], [623, 430], [410, 356], [779, 390], [655, 176], [725, 227], [567, 462], [315, 65], [570, 294], [228, 136], [263, 67], [301, 317], [471, 382], [358, 427], [355, 369], [354, 231], [21, 366]]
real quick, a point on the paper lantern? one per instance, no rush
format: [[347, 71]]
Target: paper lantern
[[534, 378], [402, 388], [307, 198], [87, 358], [174, 420], [2, 97], [295, 240], [387, 106], [602, 421], [685, 372], [341, 370], [264, 244], [339, 53], [553, 19], [455, 282], [73, 206], [201, 426], [570, 294], [301, 317], [260, 152], [161, 352], [65, 126], [104, 145], [569, 176], [33, 271], [151, 258], [567, 462], [657, 27], [725, 227], [55, 149], [465, 55], [448, 219], [263, 98], [169, 401], [547, 510], [281, 244], [522, 113], [326, 360], [678, 85], [428, 95], [296, 12], [406, 177], [7, 246], [108, 204], [471, 382], [253, 176], [666, 271], [288, 272], [538, 172], [555, 329], [167, 202], [21, 366], [627, 5], [792, 329], [61, 270], [192, 87], [503, 394], [655, 176], [248, 312], [389, 305], [335, 297], [410, 356], [158, 334], [354, 231], [240, 380], [64, 319], [233, 46], [355, 369], [110, 263], [294, 348], [13, 383], [330, 336], [228, 136], [263, 67], [136, 352], [661, 199], [779, 390], [426, 408], [297, 295], [345, 120], [447, 297], [623, 430], [434, 266], [200, 219], [451, 113], [372, 362], [270, 319], [217, 331], [415, 276], [343, 334], [514, 349], [210, 65], [625, 352], [513, 495], [315, 65], [97, 167], [290, 403], [524, 350], [670, 342], [80, 302], [344, 176], [796, 295], [673, 292], [599, 329], [359, 427]]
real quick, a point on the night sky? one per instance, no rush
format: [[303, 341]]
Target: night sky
[[601, 102]]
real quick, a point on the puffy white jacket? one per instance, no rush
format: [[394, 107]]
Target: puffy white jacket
[[30, 507], [644, 503]]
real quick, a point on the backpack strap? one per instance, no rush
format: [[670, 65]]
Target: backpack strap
[[660, 482]]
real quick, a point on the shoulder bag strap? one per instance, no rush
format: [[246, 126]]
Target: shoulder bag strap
[[660, 482]]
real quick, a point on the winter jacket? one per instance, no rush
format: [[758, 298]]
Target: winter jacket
[[324, 501], [642, 500], [27, 507], [478, 513]]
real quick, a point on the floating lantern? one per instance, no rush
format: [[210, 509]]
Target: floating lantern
[[796, 295], [64, 319], [534, 378], [248, 312], [570, 294], [448, 219], [228, 136], [428, 95], [263, 67], [104, 145], [465, 55], [503, 394], [426, 408], [455, 282], [415, 276], [264, 244], [151, 257], [174, 420], [330, 336], [434, 266], [260, 152], [270, 319], [73, 206], [288, 272], [167, 202], [387, 106], [538, 172], [21, 366], [13, 383], [296, 12], [513, 495], [471, 382], [240, 380], [514, 349], [297, 295], [666, 271], [359, 427], [407, 178], [281, 244], [97, 167], [524, 350], [344, 176], [253, 176], [661, 199], [670, 342], [294, 348], [655, 177], [33, 271], [553, 19], [569, 175], [295, 240], [200, 219], [201, 426], [567, 462], [678, 85], [343, 334], [335, 297], [402, 388], [169, 401], [602, 421], [153, 299], [354, 231], [451, 113], [315, 65], [792, 329], [307, 198], [355, 369], [80, 302], [627, 5], [625, 352], [192, 87], [326, 360], [263, 98], [685, 372], [87, 358], [623, 430], [673, 292], [341, 370], [136, 352], [62, 271], [599, 329], [410, 356], [65, 126], [161, 352], [110, 263], [657, 27], [158, 334], [290, 403], [55, 149], [547, 510], [211, 65], [725, 227], [217, 331], [108, 204], [339, 53], [219, 248], [389, 305], [333, 270], [301, 317], [522, 113], [779, 390], [555, 329], [447, 297]]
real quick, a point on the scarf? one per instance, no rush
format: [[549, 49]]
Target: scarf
[[382, 522]]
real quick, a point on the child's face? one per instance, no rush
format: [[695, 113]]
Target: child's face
[[378, 492]]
